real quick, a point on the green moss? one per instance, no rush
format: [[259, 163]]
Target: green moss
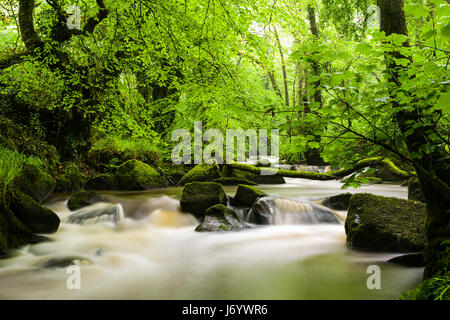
[[228, 181], [199, 196], [385, 223], [136, 175], [101, 182], [414, 191], [202, 173], [252, 173], [13, 233], [36, 217], [71, 179], [34, 182], [247, 195]]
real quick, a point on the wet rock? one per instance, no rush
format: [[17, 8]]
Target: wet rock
[[64, 262], [219, 218], [83, 199], [413, 260], [102, 182], [337, 202], [13, 233], [199, 196], [201, 173], [247, 195], [36, 217], [385, 223], [136, 175], [97, 213]]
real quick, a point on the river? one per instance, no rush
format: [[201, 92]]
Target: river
[[154, 253]]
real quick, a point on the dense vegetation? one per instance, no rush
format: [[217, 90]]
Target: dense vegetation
[[343, 81]]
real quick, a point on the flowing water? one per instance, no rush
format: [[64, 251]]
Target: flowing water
[[145, 248]]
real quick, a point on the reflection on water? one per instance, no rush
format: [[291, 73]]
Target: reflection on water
[[154, 253]]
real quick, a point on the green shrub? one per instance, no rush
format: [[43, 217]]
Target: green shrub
[[107, 149], [11, 163], [436, 288]]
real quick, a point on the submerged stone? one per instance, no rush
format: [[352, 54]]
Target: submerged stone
[[84, 198], [247, 195], [220, 218]]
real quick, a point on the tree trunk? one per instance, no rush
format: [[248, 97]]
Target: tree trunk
[[432, 169]]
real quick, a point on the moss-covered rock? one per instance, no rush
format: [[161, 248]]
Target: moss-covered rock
[[34, 182], [202, 172], [337, 202], [414, 191], [230, 172], [385, 223], [247, 195], [84, 198], [13, 233], [137, 175], [174, 172], [102, 182], [219, 218], [227, 181], [36, 217], [199, 196]]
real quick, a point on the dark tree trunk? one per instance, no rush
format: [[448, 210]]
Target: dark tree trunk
[[432, 169]]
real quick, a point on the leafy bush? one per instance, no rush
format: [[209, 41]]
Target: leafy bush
[[11, 163], [436, 288]]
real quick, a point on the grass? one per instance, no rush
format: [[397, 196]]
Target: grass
[[11, 163]]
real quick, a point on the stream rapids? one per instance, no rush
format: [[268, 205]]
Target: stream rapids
[[149, 250]]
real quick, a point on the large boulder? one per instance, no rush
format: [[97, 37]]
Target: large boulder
[[102, 182], [34, 182], [136, 175], [84, 198], [385, 224], [337, 202], [199, 196], [36, 217], [247, 195], [414, 191], [13, 233], [220, 218], [202, 172]]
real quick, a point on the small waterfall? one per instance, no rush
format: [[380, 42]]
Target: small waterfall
[[286, 211], [98, 213]]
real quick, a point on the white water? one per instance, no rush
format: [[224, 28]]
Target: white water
[[154, 253]]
